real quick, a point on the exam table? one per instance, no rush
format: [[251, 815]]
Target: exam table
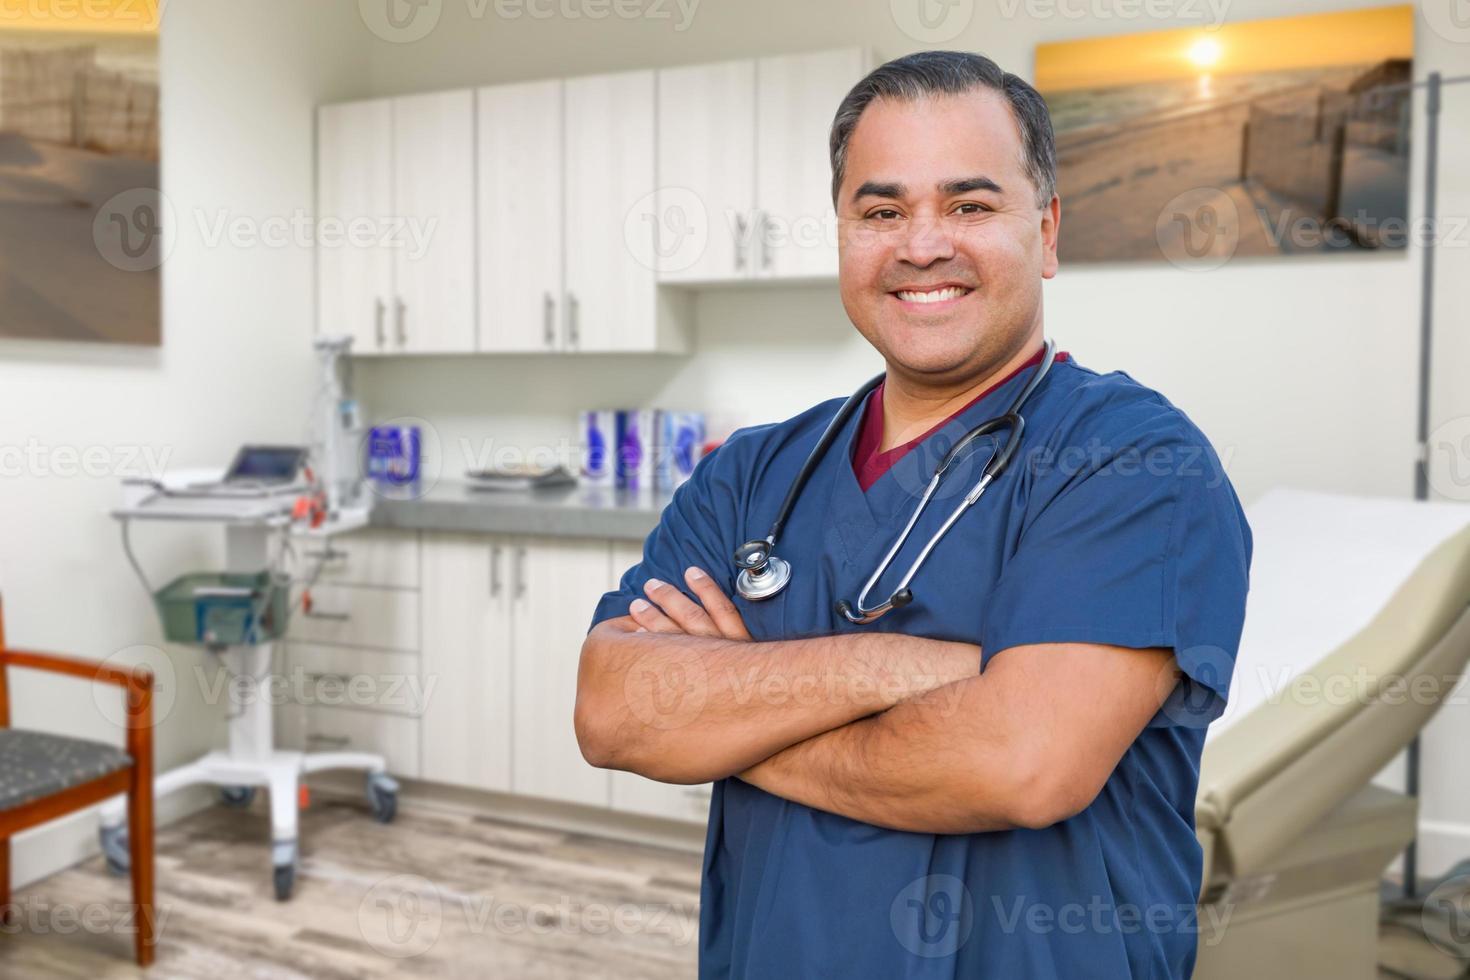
[[1356, 631]]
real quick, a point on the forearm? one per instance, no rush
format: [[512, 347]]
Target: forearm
[[916, 767], [690, 709]]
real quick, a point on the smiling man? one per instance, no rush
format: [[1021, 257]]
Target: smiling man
[[995, 778]]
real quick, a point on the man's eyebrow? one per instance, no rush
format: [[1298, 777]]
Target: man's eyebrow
[[964, 185], [873, 188], [894, 190]]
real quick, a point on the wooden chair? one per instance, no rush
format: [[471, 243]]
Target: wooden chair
[[45, 776]]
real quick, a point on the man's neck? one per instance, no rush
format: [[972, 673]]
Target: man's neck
[[911, 409]]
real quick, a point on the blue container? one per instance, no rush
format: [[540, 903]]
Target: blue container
[[394, 454]]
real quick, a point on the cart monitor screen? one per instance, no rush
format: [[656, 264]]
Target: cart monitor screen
[[266, 464]]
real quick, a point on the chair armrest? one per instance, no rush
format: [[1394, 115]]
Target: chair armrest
[[137, 682]]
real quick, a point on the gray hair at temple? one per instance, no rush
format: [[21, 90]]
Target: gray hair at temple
[[926, 73]]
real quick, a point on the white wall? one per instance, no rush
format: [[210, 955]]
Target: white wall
[[1303, 371], [240, 82]]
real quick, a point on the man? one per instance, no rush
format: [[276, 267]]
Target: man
[[997, 779]]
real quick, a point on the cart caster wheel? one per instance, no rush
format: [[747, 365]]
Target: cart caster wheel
[[285, 881], [382, 794], [115, 849], [284, 857], [237, 797]]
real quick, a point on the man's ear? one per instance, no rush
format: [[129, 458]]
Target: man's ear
[[1051, 222]]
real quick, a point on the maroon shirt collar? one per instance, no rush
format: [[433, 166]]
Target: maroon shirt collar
[[868, 464]]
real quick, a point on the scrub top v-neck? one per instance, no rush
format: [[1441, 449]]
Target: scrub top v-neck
[[1115, 525]]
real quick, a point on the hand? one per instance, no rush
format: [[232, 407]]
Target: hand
[[671, 611]]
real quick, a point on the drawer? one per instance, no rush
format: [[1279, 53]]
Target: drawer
[[363, 680], [382, 558], [359, 615], [323, 729]]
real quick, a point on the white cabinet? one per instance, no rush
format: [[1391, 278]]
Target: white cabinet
[[796, 99], [396, 179], [467, 661], [612, 301], [355, 194], [556, 584], [706, 172], [504, 620], [744, 172], [434, 193], [354, 673], [519, 156]]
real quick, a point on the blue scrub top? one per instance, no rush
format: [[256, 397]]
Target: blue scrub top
[[1115, 524]]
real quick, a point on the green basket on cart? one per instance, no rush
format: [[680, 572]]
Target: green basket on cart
[[224, 608]]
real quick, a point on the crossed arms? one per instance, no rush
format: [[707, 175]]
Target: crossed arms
[[897, 731]]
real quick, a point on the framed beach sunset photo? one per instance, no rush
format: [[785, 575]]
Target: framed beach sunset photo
[[1261, 138], [80, 235]]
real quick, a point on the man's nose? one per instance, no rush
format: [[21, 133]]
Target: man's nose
[[928, 241]]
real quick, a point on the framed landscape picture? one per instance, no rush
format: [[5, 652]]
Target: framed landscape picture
[[1261, 138], [79, 173]]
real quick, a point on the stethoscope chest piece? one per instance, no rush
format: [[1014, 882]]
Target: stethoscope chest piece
[[762, 574], [766, 582]]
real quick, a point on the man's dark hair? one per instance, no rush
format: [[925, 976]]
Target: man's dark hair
[[926, 73]]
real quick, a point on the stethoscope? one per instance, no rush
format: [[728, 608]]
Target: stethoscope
[[763, 574]]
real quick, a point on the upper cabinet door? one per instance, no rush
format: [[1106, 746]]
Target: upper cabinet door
[[706, 172], [355, 188], [520, 217], [610, 237], [434, 204], [797, 96]]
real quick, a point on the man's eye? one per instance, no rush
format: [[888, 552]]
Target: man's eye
[[971, 208], [884, 214]]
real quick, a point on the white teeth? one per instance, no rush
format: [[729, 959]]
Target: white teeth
[[933, 296]]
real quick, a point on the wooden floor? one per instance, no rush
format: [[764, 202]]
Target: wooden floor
[[442, 892]]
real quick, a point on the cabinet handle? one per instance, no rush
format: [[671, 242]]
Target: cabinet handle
[[335, 617], [742, 242], [379, 312], [327, 554], [335, 741], [400, 317], [495, 584], [520, 572], [574, 311], [549, 317], [765, 244]]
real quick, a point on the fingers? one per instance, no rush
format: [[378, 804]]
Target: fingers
[[687, 614], [717, 605], [650, 618]]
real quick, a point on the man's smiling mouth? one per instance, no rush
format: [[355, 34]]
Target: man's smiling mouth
[[933, 294]]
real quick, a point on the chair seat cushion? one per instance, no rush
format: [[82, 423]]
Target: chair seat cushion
[[37, 764]]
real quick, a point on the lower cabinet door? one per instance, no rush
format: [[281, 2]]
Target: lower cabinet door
[[556, 583], [467, 660]]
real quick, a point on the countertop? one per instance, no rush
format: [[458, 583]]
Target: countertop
[[567, 511]]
